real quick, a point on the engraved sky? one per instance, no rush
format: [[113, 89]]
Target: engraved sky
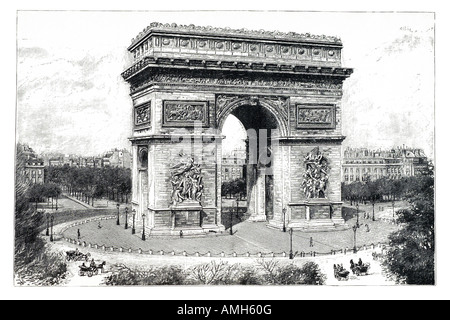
[[72, 99]]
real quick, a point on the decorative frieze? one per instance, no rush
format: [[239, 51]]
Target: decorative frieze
[[205, 79], [263, 34], [178, 113], [316, 116]]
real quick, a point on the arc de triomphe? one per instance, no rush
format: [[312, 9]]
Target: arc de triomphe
[[286, 88]]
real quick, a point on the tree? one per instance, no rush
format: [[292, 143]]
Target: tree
[[410, 258]]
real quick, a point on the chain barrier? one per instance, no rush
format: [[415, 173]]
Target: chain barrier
[[221, 254]]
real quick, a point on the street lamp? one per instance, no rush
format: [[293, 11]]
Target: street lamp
[[284, 219], [231, 221], [355, 227], [118, 205], [291, 255], [126, 217], [51, 228], [393, 212], [133, 230], [47, 216], [143, 226], [357, 214], [373, 211]]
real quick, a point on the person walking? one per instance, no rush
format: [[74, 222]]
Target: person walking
[[311, 243], [78, 234]]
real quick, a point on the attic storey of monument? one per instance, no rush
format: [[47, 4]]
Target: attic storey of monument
[[288, 83]]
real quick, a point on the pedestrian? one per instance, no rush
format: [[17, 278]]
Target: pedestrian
[[367, 228], [78, 234], [99, 225], [181, 233], [311, 243]]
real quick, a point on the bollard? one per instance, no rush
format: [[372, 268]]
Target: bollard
[[140, 250], [103, 247], [150, 251], [173, 252], [273, 254], [184, 253], [161, 252], [130, 250], [208, 254], [259, 254], [234, 254], [197, 254], [120, 249], [248, 254], [283, 254], [84, 244], [222, 254]]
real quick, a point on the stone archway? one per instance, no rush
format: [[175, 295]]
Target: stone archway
[[191, 78], [262, 117]]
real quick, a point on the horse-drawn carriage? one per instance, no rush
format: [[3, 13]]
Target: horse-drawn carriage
[[359, 268], [92, 269], [340, 273], [75, 255]]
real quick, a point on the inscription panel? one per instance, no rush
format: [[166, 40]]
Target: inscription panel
[[178, 113], [316, 116]]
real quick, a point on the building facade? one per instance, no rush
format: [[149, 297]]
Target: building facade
[[360, 164], [34, 166], [233, 165]]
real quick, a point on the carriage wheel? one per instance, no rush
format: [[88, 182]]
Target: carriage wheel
[[80, 273], [96, 271], [89, 273]]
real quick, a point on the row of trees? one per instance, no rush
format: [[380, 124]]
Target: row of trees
[[383, 189], [39, 192], [234, 187], [88, 184]]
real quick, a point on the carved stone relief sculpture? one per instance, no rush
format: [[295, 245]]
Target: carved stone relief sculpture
[[315, 178], [186, 180]]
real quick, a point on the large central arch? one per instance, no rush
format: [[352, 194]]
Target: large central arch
[[189, 79]]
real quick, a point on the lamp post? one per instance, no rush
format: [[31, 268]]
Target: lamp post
[[357, 214], [291, 255], [393, 212], [284, 219], [47, 216], [143, 226], [373, 211], [118, 205], [231, 221], [51, 228], [133, 230], [126, 217], [355, 227]]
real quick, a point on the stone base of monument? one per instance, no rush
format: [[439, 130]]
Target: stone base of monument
[[257, 218], [314, 225], [312, 215], [185, 220]]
